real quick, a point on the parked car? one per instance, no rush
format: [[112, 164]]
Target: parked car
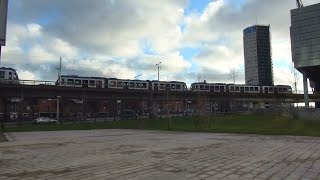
[[189, 112], [45, 120], [128, 114]]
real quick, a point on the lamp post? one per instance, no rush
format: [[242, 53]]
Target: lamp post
[[58, 109], [158, 64]]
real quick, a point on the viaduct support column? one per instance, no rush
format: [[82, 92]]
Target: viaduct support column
[[305, 88], [317, 90]]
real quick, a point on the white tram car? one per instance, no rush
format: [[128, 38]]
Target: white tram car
[[209, 87], [113, 83], [8, 75], [168, 85], [238, 88], [77, 81]]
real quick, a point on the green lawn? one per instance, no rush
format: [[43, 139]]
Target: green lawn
[[246, 124]]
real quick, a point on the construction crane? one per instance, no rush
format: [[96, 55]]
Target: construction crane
[[136, 77], [299, 4]]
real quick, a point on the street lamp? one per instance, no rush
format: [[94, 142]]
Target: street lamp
[[158, 64], [58, 109]]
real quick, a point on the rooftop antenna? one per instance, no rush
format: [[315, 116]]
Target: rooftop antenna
[[299, 3]]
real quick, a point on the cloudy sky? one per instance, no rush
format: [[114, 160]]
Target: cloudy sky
[[194, 40]]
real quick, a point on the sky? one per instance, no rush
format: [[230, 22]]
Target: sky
[[195, 40]]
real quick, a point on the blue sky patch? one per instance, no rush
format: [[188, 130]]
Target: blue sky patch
[[196, 6]]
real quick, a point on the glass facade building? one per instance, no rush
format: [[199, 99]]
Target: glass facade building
[[305, 43], [257, 56]]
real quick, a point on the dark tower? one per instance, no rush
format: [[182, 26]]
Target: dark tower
[[257, 56]]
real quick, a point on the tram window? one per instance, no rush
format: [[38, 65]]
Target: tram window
[[271, 89], [251, 88], [92, 82], [246, 88], [232, 88], [131, 84], [178, 86], [85, 83], [77, 82], [256, 89], [207, 88], [173, 86], [237, 89], [144, 85], [10, 75], [2, 74], [161, 86], [112, 84], [216, 88], [119, 84], [168, 86], [62, 81], [99, 84], [70, 81]]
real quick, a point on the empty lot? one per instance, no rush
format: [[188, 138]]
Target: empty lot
[[138, 154]]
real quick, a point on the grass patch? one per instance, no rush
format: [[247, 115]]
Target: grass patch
[[244, 124]]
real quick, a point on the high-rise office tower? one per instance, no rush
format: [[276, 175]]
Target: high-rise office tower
[[305, 45], [257, 56]]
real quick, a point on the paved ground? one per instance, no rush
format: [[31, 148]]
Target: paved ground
[[134, 154], [2, 137]]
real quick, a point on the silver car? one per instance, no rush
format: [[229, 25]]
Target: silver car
[[45, 120]]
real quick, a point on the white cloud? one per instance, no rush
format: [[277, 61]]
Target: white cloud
[[39, 55], [27, 75], [219, 58], [34, 29], [171, 63], [62, 48]]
